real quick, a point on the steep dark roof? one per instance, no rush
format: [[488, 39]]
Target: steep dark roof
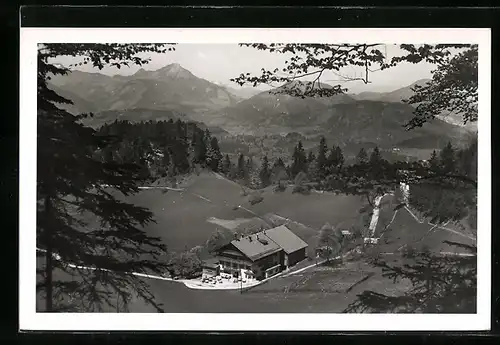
[[210, 263], [285, 239], [256, 246], [268, 242]]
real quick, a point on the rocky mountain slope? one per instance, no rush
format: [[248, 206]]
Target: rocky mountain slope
[[169, 88]]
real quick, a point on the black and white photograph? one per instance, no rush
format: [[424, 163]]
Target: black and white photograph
[[262, 176]]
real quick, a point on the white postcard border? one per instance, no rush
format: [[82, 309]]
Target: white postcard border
[[30, 320]]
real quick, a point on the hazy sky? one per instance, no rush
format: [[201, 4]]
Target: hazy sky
[[220, 62]]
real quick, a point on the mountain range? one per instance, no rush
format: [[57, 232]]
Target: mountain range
[[169, 88], [174, 92]]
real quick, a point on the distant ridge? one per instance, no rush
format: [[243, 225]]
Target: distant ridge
[[169, 87]]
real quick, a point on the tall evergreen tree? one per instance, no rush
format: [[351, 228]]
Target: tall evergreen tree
[[199, 147], [434, 162], [226, 164], [70, 182], [448, 159], [249, 171], [311, 157], [299, 160], [335, 160], [241, 168], [375, 157], [265, 173], [362, 157], [213, 155], [166, 159], [180, 157], [279, 171], [207, 136], [278, 163], [340, 157], [322, 166]]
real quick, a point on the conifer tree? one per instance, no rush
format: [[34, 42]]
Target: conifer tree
[[226, 164], [434, 162], [279, 171], [299, 160], [199, 147], [250, 172], [71, 183], [310, 158], [335, 160], [362, 157], [241, 169], [448, 159], [166, 161], [265, 173], [213, 155], [375, 157], [321, 165], [340, 157], [220, 167]]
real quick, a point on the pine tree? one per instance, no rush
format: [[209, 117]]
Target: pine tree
[[279, 171], [299, 160], [434, 162], [310, 158], [216, 149], [447, 158], [70, 182], [241, 169], [278, 163], [249, 172], [265, 173], [375, 157], [226, 164], [213, 155], [207, 136], [180, 157], [322, 165], [220, 167], [362, 157], [312, 171], [166, 161], [340, 157], [335, 160], [199, 147]]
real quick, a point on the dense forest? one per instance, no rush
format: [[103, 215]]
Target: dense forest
[[173, 148]]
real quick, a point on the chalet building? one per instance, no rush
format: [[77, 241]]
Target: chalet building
[[263, 254]]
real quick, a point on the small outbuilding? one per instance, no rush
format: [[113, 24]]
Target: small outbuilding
[[210, 268]]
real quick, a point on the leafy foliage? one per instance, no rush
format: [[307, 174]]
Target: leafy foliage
[[453, 87], [329, 242]]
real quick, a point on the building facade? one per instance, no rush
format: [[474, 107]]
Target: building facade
[[261, 255]]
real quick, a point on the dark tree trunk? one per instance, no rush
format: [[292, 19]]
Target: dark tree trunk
[[48, 258]]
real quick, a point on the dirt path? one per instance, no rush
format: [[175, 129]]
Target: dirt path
[[439, 226]]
